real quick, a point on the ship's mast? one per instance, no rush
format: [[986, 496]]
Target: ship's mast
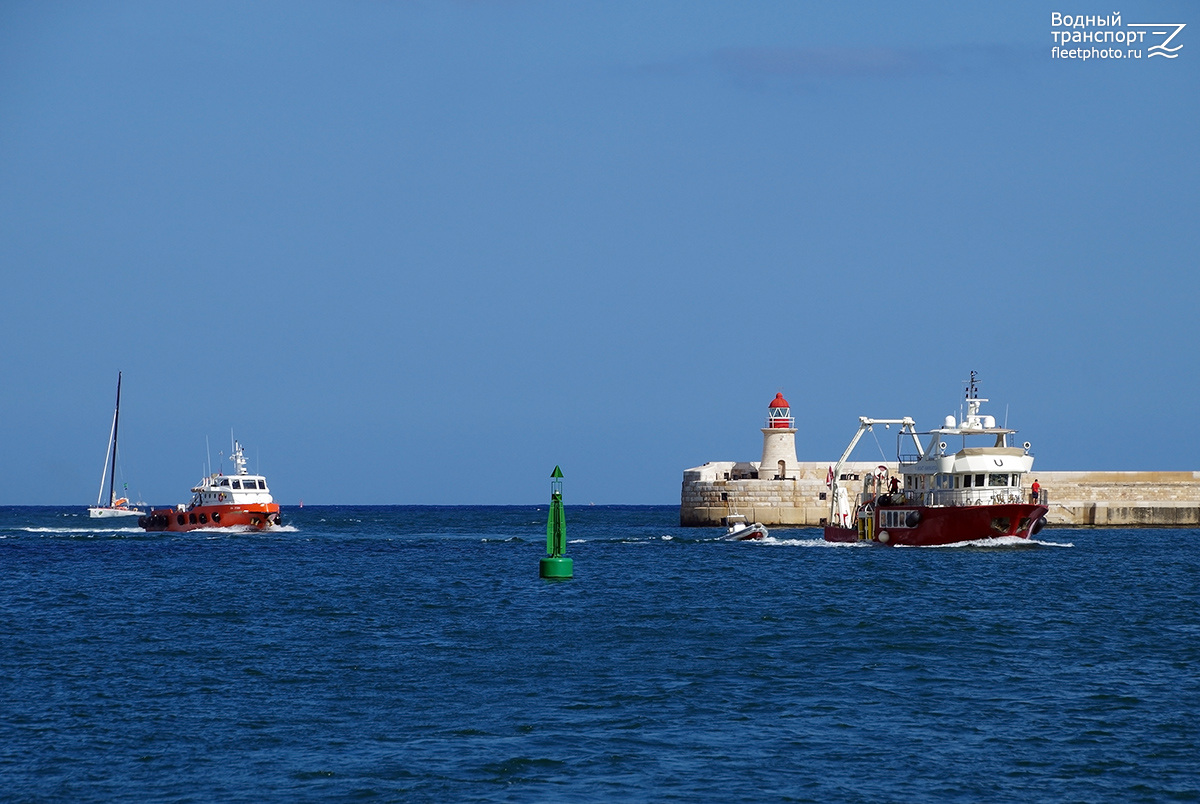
[[239, 460], [112, 479]]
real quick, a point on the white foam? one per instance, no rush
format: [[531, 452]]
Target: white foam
[[815, 542], [80, 530], [1001, 541], [241, 529]]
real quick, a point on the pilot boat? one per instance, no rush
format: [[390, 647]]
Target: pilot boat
[[241, 500], [938, 495]]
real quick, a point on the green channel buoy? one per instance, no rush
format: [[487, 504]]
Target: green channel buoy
[[556, 564]]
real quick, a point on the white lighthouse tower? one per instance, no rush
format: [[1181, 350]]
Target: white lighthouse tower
[[779, 443]]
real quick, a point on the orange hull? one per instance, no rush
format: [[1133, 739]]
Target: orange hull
[[259, 516]]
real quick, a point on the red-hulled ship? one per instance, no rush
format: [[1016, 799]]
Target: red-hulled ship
[[939, 497], [241, 500]]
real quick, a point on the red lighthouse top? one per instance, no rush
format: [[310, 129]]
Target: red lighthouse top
[[779, 413]]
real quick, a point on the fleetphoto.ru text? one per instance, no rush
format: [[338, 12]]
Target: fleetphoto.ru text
[[1088, 36]]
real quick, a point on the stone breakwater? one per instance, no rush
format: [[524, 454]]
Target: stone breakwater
[[1097, 499]]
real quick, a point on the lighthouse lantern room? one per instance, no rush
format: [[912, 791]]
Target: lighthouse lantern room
[[779, 414]]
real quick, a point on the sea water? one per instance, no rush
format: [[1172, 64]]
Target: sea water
[[413, 654]]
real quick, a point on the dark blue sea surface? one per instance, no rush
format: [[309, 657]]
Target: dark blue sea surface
[[413, 654]]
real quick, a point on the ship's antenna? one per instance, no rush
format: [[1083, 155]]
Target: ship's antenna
[[208, 452], [1006, 417]]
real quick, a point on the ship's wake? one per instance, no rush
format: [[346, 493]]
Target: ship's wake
[[70, 531], [1002, 542]]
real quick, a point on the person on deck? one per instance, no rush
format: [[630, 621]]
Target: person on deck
[[1035, 492]]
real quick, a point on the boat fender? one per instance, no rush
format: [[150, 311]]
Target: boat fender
[[141, 521], [1037, 526], [913, 519], [884, 536]]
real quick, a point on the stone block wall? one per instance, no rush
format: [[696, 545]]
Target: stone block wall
[[1100, 499], [1122, 499]]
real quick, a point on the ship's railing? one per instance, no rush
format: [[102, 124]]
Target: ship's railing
[[964, 497]]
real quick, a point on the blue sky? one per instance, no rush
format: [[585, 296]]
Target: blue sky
[[423, 252]]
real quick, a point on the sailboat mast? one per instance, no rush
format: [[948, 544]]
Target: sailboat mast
[[112, 478]]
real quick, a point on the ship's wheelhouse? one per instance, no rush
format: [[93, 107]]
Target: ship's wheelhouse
[[971, 476], [232, 489]]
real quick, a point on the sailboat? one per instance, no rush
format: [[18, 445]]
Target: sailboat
[[117, 506]]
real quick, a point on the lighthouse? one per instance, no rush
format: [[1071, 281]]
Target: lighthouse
[[779, 443]]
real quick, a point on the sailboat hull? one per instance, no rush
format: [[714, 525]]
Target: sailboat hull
[[96, 512]]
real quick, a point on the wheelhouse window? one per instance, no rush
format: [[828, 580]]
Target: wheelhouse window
[[224, 482], [237, 484], [997, 480], [262, 484], [978, 480], [966, 481]]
